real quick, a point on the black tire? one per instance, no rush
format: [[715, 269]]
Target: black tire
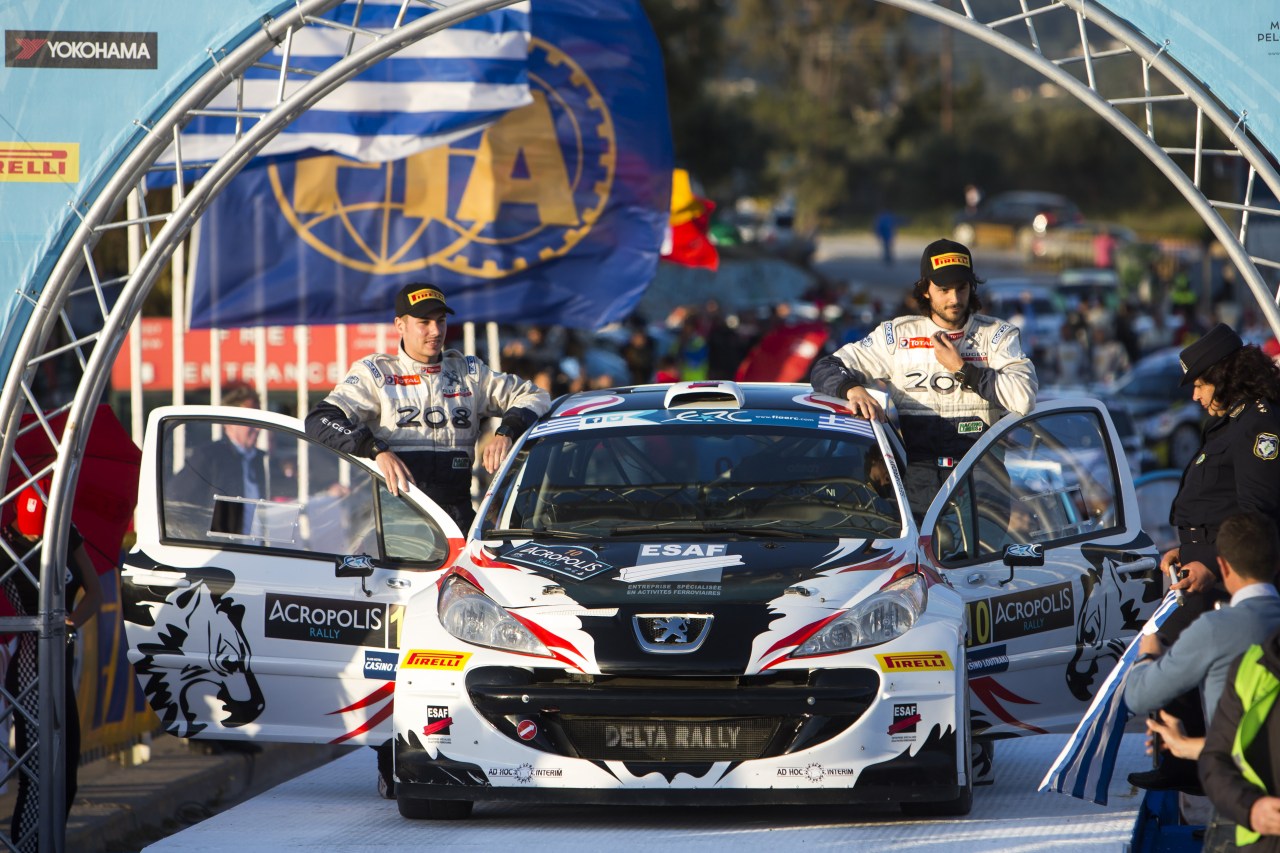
[[963, 802], [417, 809]]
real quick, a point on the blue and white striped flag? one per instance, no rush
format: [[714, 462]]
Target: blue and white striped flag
[[440, 89], [1084, 767]]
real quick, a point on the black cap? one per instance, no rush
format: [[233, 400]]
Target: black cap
[[420, 300], [947, 263], [1218, 343]]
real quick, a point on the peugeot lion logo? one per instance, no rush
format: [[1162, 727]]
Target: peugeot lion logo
[[671, 633]]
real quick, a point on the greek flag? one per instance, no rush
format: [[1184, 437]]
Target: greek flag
[[442, 88], [1084, 767]]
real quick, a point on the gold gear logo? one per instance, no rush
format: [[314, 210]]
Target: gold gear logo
[[556, 157]]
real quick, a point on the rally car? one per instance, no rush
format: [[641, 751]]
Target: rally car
[[706, 592]]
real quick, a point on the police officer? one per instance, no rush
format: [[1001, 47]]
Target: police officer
[[1237, 469]]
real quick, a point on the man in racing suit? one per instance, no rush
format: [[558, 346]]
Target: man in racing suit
[[951, 371], [418, 413]]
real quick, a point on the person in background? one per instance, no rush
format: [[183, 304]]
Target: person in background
[[232, 466], [23, 538]]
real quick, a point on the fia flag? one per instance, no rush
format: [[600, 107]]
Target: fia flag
[[440, 88], [554, 214], [1084, 767]]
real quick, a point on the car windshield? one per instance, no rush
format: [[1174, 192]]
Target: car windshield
[[717, 478]]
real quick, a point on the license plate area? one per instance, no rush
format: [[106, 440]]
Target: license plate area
[[679, 739]]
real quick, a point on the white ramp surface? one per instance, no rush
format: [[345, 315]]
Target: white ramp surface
[[336, 807]]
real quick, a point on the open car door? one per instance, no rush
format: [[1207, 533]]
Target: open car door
[[1041, 639], [265, 596]]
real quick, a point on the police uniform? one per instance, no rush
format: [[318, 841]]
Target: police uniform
[[1236, 470]]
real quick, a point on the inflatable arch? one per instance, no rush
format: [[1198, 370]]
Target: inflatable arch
[[1154, 77]]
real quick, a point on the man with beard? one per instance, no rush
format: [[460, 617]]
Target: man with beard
[[951, 371]]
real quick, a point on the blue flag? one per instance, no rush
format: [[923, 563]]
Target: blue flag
[[1086, 764], [554, 214]]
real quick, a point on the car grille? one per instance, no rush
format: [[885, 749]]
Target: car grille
[[670, 720], [692, 739]]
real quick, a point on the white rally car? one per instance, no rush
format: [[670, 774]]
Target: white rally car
[[699, 593]]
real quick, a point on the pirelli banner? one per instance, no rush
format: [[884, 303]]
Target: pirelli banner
[[80, 80]]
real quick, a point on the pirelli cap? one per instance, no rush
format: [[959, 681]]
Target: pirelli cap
[[1218, 343], [947, 263], [420, 300]]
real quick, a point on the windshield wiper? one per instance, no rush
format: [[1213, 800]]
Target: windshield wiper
[[755, 530], [713, 527], [531, 532]]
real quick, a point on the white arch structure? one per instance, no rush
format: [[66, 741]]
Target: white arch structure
[[1152, 79]]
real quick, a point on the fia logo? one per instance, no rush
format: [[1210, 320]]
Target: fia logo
[[489, 206]]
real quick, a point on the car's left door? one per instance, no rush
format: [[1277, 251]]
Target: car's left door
[[1042, 639], [266, 594]]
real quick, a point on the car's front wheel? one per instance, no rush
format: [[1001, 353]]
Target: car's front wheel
[[963, 802], [418, 809]]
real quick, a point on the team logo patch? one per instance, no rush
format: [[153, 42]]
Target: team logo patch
[[950, 259], [432, 659], [914, 661], [888, 333], [1004, 327], [1266, 445], [969, 427]]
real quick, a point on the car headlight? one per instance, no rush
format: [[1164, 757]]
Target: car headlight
[[473, 617], [888, 614]]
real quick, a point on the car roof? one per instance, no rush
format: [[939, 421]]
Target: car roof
[[710, 394]]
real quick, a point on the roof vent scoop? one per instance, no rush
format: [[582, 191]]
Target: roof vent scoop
[[708, 394]]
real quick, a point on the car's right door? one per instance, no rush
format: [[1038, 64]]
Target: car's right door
[[1041, 640]]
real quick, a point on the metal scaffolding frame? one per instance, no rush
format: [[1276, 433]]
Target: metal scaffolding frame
[[1150, 82]]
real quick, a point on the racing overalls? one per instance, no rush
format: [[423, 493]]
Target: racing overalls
[[430, 416], [940, 414]]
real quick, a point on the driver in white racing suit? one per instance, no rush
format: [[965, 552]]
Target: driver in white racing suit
[[951, 371], [418, 413]]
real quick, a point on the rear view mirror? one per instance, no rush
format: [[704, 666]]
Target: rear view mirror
[[355, 566], [1022, 555]]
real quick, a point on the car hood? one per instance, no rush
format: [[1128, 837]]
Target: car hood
[[753, 599], [697, 571]]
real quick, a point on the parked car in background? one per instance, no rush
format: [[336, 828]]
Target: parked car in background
[[1083, 243], [1013, 219], [1165, 415]]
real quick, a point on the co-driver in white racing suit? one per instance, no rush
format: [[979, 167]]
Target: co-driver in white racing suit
[[951, 372], [419, 412]]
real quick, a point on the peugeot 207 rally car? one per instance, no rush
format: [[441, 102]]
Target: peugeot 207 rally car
[[699, 593]]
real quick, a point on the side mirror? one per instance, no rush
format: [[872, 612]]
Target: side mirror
[[355, 566], [1022, 555]]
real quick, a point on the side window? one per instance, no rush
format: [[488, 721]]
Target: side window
[[1050, 480], [246, 487]]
